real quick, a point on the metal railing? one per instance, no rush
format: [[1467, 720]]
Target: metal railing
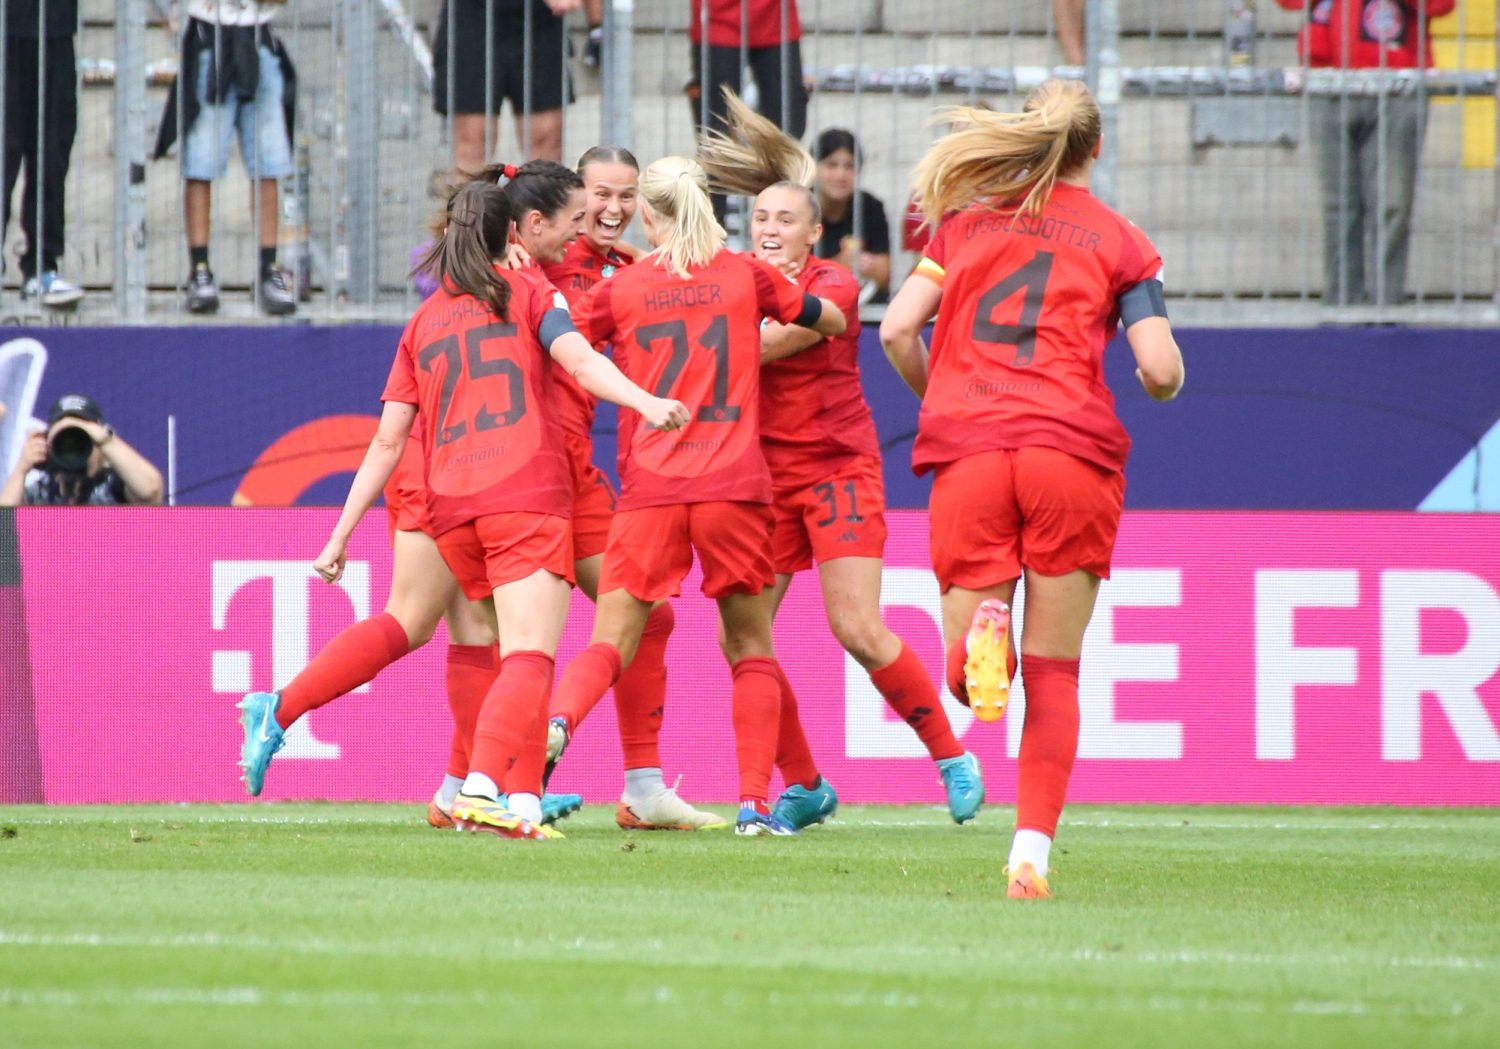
[[1212, 138]]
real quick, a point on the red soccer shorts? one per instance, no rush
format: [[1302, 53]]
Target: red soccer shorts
[[843, 516], [593, 499], [406, 495], [995, 512], [651, 549], [496, 549]]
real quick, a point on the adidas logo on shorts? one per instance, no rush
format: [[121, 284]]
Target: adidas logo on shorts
[[849, 537]]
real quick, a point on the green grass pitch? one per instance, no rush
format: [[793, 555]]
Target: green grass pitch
[[332, 926]]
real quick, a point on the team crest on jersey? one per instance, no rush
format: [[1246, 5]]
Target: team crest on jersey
[[607, 270], [1383, 21]]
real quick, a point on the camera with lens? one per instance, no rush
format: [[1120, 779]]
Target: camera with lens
[[68, 450]]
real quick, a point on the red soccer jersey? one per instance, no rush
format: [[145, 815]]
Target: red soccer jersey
[[1365, 34], [484, 394], [1028, 306], [762, 19], [813, 415], [581, 268], [696, 339]]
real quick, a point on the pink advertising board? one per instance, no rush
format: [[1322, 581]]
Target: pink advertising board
[[1234, 657]]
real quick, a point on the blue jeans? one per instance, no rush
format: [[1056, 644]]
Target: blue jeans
[[264, 144]]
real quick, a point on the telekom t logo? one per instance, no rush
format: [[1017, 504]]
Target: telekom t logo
[[289, 633]]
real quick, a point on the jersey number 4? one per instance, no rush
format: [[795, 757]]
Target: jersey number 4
[[1031, 278], [478, 367], [715, 339]]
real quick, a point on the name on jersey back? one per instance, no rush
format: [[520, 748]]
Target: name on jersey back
[[1043, 226], [684, 297]]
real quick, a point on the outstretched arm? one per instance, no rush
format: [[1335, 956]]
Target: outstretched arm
[[901, 329], [379, 463]]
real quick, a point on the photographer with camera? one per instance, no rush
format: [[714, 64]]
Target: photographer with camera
[[79, 461]]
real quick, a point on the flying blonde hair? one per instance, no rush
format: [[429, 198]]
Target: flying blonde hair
[[1003, 156], [752, 153], [676, 191]]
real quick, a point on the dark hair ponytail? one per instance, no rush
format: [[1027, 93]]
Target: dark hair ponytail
[[468, 236], [537, 185]]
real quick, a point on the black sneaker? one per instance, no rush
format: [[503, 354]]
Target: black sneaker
[[203, 291], [276, 295]]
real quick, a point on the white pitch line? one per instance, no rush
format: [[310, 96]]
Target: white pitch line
[[315, 945], [257, 997]]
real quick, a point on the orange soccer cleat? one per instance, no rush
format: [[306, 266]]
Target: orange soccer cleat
[[1024, 883], [437, 816]]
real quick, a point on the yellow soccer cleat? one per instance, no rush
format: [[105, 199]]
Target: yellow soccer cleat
[[986, 671], [476, 814], [1024, 883]]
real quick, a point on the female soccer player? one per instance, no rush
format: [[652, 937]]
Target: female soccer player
[[497, 474], [1028, 281], [611, 182], [686, 320], [819, 441]]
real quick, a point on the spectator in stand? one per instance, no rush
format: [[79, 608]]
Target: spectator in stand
[[781, 92], [1068, 21], [29, 45], [1368, 146], [481, 83], [236, 78], [856, 233], [79, 461]]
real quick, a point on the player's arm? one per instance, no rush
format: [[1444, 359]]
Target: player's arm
[[901, 328], [1158, 360], [780, 341], [369, 481]]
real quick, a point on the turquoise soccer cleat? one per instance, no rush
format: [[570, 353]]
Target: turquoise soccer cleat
[[800, 807], [964, 784], [554, 806], [263, 738]]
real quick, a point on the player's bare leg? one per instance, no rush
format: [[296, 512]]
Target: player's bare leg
[[851, 598]]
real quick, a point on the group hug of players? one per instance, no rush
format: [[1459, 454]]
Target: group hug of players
[[745, 440]]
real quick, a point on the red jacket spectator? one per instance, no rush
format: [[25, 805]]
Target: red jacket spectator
[[1360, 34], [763, 18]]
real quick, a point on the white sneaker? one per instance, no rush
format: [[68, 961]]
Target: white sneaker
[[664, 810], [53, 290]]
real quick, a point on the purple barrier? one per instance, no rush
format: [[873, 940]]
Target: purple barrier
[[1331, 419], [1319, 658]]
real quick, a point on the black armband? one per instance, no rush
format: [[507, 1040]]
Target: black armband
[[812, 309], [1142, 300], [555, 324]]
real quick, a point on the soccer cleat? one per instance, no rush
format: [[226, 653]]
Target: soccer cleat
[[986, 677], [263, 738], [751, 823], [475, 814], [664, 810], [1024, 883], [557, 742], [437, 816], [560, 806], [964, 784], [798, 807]]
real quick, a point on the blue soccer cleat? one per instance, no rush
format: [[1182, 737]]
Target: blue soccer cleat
[[560, 806], [263, 738], [751, 823], [964, 784], [800, 807]]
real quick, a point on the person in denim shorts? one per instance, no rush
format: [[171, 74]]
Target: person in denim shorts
[[237, 83]]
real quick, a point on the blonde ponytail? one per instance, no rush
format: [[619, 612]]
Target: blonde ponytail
[[1002, 156], [676, 191], [752, 153]]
